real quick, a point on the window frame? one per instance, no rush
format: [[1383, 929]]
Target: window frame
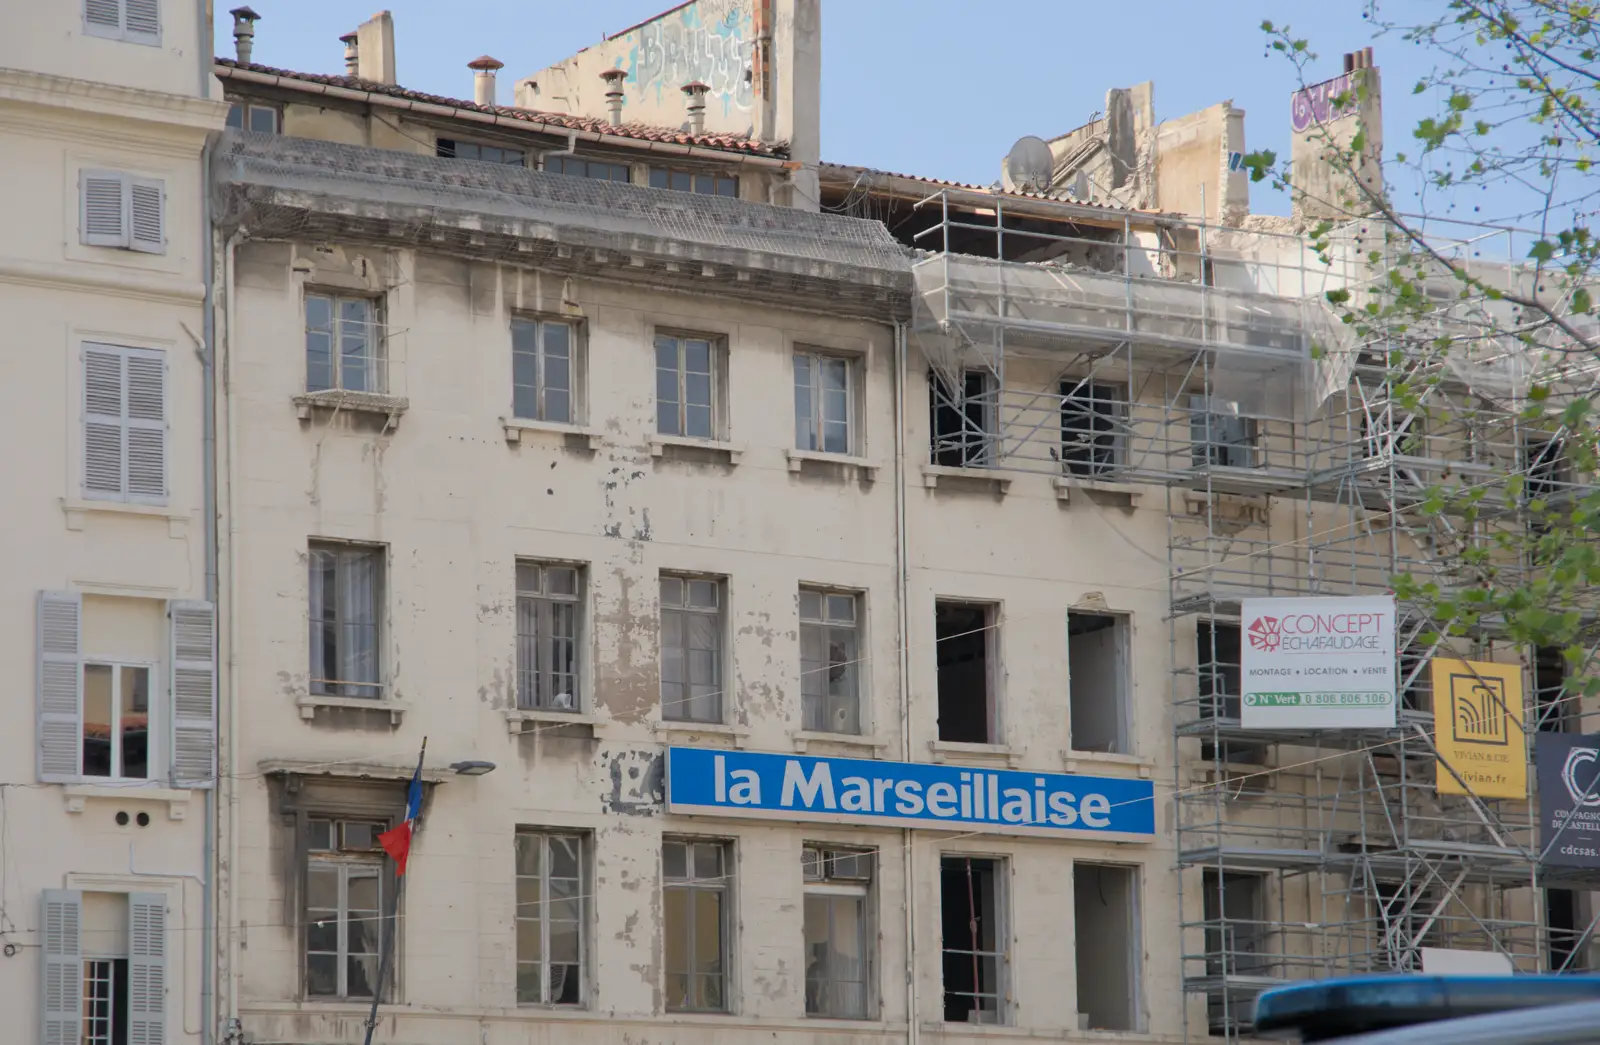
[[814, 357], [343, 861], [864, 892], [321, 687], [1001, 877], [122, 31], [125, 422], [993, 675], [666, 175], [377, 355], [725, 887], [944, 449], [545, 601], [153, 749], [716, 355], [584, 841], [1211, 448], [247, 109], [450, 149], [127, 235], [576, 354], [719, 655], [563, 160], [1093, 452], [826, 623]]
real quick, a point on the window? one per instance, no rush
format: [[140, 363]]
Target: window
[[691, 649], [136, 21], [346, 920], [838, 934], [1091, 418], [1406, 916], [1545, 464], [823, 402], [97, 717], [1097, 681], [830, 653], [550, 919], [116, 721], [245, 116], [452, 149], [346, 607], [344, 345], [542, 369], [120, 210], [971, 917], [703, 183], [105, 967], [964, 634], [548, 603], [1105, 902], [1554, 710], [1567, 943], [686, 381], [1235, 934], [1219, 681], [1224, 440], [963, 424], [124, 424], [585, 168], [1415, 678], [696, 884]]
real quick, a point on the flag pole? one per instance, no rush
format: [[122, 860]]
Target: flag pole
[[386, 939]]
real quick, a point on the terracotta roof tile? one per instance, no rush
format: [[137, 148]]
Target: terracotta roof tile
[[846, 169], [640, 131]]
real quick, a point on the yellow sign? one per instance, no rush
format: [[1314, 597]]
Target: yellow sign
[[1477, 722]]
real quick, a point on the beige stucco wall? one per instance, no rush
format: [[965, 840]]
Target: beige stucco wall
[[142, 116]]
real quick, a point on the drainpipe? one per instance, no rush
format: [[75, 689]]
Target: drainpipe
[[903, 640], [230, 698], [244, 21]]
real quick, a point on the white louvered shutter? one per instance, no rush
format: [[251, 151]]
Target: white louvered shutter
[[147, 205], [102, 218], [147, 969], [194, 693], [60, 682], [143, 20], [61, 1001], [103, 421], [103, 17], [146, 426]]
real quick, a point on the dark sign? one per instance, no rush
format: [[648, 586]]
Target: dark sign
[[1569, 799]]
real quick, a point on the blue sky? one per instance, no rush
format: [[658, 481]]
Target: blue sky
[[932, 87]]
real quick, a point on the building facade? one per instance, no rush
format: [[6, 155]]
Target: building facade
[[104, 912]]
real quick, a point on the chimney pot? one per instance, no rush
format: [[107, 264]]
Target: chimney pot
[[352, 53], [483, 70], [244, 32], [696, 94], [613, 79]]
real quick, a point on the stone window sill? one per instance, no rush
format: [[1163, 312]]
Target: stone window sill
[[520, 430], [806, 737], [78, 795], [798, 459], [393, 708], [737, 734], [337, 399], [933, 473], [951, 751], [76, 508], [517, 718], [1066, 484], [1075, 761], [662, 445]]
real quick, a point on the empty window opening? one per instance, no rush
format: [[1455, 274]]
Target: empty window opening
[[1105, 901], [450, 148], [963, 422], [1415, 679], [1235, 934], [1546, 466], [1224, 440], [1097, 680], [971, 914], [838, 935], [1091, 419], [965, 637], [1217, 663], [697, 878], [1565, 925], [1555, 711]]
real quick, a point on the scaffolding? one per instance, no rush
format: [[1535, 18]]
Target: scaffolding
[[1206, 361]]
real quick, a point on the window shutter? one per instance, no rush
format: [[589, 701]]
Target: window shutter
[[194, 693], [147, 969], [147, 204], [60, 695], [143, 21], [147, 426], [102, 421], [101, 218], [103, 15], [61, 1005]]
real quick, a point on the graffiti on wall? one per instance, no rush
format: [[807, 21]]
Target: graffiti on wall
[[711, 41], [1315, 104]]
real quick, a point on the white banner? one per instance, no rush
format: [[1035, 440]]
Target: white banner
[[1318, 663]]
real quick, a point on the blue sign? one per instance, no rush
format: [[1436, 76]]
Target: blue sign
[[907, 794]]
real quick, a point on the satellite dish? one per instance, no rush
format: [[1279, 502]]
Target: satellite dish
[[1029, 166]]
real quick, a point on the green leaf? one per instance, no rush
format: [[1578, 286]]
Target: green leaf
[[1581, 301], [1338, 297], [1543, 250]]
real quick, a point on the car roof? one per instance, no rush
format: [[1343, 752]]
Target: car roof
[[1324, 1009], [1575, 1024]]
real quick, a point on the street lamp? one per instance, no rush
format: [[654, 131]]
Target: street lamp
[[472, 767]]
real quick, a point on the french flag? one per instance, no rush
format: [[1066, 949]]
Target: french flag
[[397, 840]]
